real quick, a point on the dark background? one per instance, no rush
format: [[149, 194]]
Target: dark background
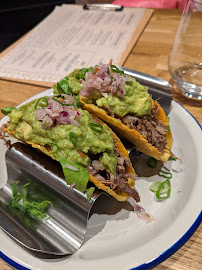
[[18, 17]]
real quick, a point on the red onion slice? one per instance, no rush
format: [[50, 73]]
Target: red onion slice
[[141, 213], [56, 113], [73, 186]]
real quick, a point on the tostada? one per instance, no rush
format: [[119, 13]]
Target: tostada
[[124, 104], [86, 147]]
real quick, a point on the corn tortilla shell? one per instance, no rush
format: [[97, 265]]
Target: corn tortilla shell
[[132, 135], [120, 196]]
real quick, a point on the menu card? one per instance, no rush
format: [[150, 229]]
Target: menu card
[[70, 38]]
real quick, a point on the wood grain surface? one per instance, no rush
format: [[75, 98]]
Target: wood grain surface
[[150, 55]]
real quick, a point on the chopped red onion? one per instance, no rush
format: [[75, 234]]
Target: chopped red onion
[[68, 99], [104, 81], [40, 114], [56, 113], [47, 122]]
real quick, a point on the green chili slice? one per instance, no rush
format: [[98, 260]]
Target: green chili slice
[[37, 103], [77, 103], [53, 146], [96, 127], [164, 185], [7, 110], [115, 69], [73, 137], [165, 174], [168, 129], [155, 186], [152, 162], [60, 102]]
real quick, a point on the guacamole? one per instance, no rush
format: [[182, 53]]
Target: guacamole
[[135, 100], [69, 84], [25, 126]]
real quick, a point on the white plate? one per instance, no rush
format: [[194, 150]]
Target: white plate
[[122, 241]]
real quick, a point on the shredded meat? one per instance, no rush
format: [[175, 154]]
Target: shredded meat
[[149, 127], [118, 183], [97, 165], [123, 186]]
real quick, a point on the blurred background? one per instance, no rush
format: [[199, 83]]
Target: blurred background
[[19, 16]]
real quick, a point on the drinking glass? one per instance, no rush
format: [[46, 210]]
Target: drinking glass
[[185, 60]]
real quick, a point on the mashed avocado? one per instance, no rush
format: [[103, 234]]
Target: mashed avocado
[[71, 82], [136, 100], [27, 128]]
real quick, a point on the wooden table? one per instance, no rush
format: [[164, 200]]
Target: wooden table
[[149, 55]]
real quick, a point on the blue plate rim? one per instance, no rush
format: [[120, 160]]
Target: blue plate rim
[[166, 254]]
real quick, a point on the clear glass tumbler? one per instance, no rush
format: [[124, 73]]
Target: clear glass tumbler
[[185, 60]]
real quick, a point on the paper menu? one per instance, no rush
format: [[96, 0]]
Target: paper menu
[[70, 38]]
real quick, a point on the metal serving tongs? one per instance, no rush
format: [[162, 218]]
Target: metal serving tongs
[[63, 233]]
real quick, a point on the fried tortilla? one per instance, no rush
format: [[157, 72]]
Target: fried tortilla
[[126, 106], [120, 185], [118, 195], [133, 136]]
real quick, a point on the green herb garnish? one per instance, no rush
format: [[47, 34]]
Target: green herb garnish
[[115, 69], [152, 162], [73, 138], [7, 110], [171, 158], [39, 101], [35, 209], [82, 72], [63, 86], [96, 127], [89, 193], [78, 177]]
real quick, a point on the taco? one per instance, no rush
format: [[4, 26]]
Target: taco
[[86, 147], [125, 105]]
